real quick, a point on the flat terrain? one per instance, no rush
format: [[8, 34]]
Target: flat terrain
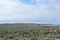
[[30, 31]]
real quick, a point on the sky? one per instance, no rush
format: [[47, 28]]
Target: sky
[[30, 11]]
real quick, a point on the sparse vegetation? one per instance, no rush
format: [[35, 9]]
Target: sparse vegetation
[[29, 32]]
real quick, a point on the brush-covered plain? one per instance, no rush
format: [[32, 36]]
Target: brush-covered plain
[[21, 31]]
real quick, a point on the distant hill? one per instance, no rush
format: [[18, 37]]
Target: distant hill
[[26, 25]]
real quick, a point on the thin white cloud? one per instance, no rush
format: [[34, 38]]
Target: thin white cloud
[[14, 10]]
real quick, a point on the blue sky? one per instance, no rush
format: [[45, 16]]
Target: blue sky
[[30, 11]]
